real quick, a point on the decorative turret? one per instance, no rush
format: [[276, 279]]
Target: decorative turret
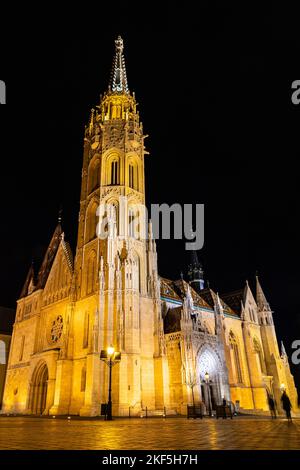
[[195, 273], [283, 353]]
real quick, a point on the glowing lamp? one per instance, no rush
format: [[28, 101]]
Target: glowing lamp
[[110, 350]]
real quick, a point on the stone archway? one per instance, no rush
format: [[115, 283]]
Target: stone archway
[[212, 390], [38, 389]]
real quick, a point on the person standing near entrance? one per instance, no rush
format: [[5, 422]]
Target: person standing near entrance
[[286, 405], [224, 408], [272, 406]]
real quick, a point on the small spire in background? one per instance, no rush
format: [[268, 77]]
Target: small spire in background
[[60, 212]]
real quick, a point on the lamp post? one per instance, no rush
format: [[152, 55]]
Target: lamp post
[[206, 377], [110, 357]]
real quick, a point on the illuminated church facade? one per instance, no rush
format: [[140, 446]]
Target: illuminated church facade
[[180, 342]]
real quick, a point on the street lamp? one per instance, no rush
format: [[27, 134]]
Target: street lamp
[[206, 377], [110, 357]]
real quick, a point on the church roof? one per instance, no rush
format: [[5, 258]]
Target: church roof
[[35, 281], [211, 298], [172, 320], [207, 298], [177, 290], [7, 318], [167, 289], [182, 287], [235, 299]]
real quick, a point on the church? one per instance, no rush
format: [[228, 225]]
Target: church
[[181, 343]]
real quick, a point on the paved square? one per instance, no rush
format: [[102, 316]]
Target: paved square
[[152, 433]]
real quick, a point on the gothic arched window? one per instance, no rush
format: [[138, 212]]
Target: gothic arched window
[[83, 379], [86, 329], [236, 357], [133, 180], [131, 176], [91, 273], [258, 351], [131, 223], [115, 172]]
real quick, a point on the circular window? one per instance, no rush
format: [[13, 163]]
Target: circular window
[[56, 329]]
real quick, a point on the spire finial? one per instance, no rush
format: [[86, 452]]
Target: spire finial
[[283, 351], [119, 45], [118, 79], [60, 214]]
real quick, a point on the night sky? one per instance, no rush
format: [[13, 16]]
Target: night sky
[[214, 93]]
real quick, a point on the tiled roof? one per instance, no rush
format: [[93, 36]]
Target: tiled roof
[[211, 298], [234, 300]]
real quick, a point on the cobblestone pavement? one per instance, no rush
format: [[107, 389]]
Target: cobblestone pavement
[[152, 433]]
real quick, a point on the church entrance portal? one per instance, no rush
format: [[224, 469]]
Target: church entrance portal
[[209, 374], [38, 389]]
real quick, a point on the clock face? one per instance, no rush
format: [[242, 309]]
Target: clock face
[[56, 329]]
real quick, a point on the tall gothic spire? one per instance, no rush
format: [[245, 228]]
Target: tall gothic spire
[[118, 79], [261, 300]]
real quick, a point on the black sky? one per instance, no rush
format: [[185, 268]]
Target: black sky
[[214, 93]]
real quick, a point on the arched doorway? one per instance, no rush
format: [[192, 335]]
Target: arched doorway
[[210, 378], [38, 389]]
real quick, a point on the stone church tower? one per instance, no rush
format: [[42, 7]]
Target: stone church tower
[[180, 342], [109, 295]]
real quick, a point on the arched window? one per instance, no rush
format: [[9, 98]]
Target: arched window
[[91, 273], [86, 329], [133, 176], [115, 172], [94, 176], [136, 284], [21, 352], [83, 379], [236, 357], [91, 222], [258, 351], [131, 223], [2, 352]]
